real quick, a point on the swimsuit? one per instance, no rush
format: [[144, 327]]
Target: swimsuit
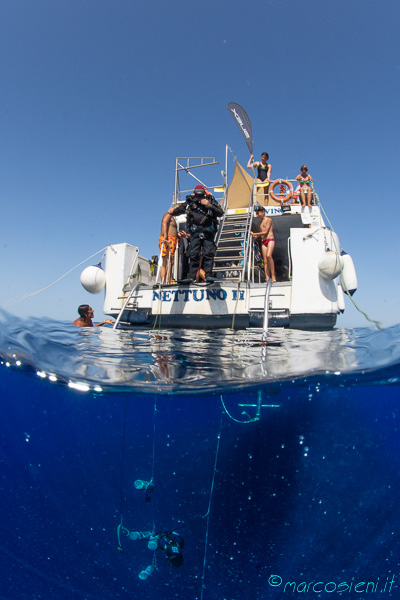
[[262, 171], [266, 242], [172, 240]]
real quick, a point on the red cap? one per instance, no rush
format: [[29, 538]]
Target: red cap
[[199, 187]]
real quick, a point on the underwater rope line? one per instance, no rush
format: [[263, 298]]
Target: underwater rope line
[[378, 324], [121, 527], [121, 500], [26, 296], [207, 515], [250, 419], [154, 453]]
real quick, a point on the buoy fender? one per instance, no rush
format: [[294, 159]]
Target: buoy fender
[[330, 265], [348, 278], [93, 279], [340, 299]]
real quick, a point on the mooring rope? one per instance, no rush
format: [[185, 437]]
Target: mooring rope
[[26, 296]]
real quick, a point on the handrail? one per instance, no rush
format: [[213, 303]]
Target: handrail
[[247, 239], [266, 305], [135, 287]]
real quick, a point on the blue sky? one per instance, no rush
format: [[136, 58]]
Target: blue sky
[[99, 97]]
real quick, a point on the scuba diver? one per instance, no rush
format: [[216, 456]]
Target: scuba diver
[[202, 213], [169, 542]]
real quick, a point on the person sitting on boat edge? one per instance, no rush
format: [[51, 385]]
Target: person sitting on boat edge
[[86, 314], [306, 191], [167, 244], [263, 172], [266, 236], [202, 213]]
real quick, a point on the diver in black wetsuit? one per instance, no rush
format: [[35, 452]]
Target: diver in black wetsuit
[[202, 212], [169, 542]]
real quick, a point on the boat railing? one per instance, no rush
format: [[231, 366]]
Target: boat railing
[[248, 256], [133, 290], [266, 304], [265, 187], [185, 165]]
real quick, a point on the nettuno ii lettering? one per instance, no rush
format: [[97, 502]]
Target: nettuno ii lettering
[[198, 295]]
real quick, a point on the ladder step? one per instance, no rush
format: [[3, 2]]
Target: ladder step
[[228, 258], [232, 268], [232, 217], [232, 235], [225, 248]]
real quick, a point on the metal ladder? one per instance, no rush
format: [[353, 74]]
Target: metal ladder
[[231, 256]]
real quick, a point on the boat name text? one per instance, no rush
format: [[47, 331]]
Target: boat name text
[[196, 295]]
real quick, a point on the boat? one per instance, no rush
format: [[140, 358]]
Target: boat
[[312, 271]]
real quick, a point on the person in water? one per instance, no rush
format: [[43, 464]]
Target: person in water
[[267, 240], [167, 245], [264, 169], [202, 213], [306, 191], [86, 314], [169, 542]]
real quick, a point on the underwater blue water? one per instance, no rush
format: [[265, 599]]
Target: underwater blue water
[[295, 494]]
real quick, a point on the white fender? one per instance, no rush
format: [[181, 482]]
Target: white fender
[[340, 299], [93, 279], [330, 264], [348, 277]]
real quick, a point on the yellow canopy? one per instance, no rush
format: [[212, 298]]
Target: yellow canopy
[[239, 189]]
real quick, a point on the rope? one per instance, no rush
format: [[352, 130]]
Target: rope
[[159, 306], [250, 420], [207, 515], [121, 528], [26, 296], [158, 312], [154, 453], [121, 500], [378, 324]]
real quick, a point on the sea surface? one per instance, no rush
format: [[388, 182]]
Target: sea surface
[[275, 457]]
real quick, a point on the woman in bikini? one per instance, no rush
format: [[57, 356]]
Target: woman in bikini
[[306, 191]]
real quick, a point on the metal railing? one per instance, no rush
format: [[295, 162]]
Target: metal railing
[[133, 290]]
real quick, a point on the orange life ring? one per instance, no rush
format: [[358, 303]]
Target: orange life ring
[[282, 197]]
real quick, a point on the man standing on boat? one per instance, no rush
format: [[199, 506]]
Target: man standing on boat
[[267, 241], [202, 212], [167, 244]]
